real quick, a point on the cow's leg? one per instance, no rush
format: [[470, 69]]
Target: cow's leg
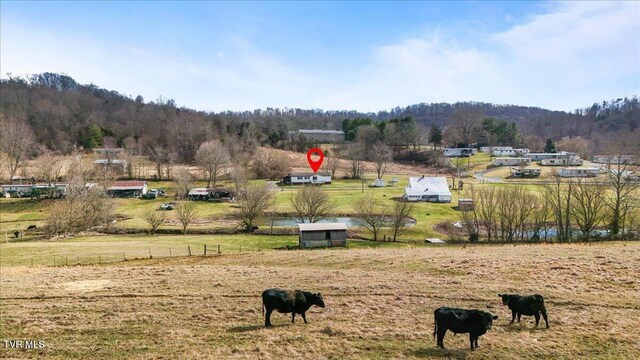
[[472, 339], [519, 315], [267, 319], [544, 315], [537, 316], [304, 317], [477, 342], [441, 333], [293, 318], [513, 316]]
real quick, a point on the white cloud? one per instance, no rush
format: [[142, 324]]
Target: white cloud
[[570, 56]]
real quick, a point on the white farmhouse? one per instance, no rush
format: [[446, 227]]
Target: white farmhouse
[[431, 189]]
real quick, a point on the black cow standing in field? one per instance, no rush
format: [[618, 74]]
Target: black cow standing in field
[[461, 321], [525, 305], [289, 301]]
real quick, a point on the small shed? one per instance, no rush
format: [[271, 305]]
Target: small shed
[[378, 183], [322, 235], [465, 204]]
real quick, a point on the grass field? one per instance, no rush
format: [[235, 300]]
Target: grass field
[[379, 304]]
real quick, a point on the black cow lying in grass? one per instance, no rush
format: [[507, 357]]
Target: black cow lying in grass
[[525, 305], [461, 321], [289, 301]]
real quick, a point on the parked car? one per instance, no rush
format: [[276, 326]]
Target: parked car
[[166, 206]]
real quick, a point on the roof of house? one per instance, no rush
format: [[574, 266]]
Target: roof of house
[[435, 241], [421, 185], [320, 131], [310, 174], [322, 226], [205, 191], [128, 185]]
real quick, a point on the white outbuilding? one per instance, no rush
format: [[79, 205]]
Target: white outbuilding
[[430, 189]]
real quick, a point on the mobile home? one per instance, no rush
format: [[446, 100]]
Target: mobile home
[[307, 178], [510, 161], [525, 172], [579, 172], [459, 152]]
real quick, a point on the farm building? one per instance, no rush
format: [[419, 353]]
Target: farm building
[[510, 161], [128, 189], [317, 135], [615, 159], [465, 204], [579, 172], [565, 161], [491, 149], [322, 235], [307, 178], [525, 172], [431, 189], [117, 165], [459, 152], [211, 194]]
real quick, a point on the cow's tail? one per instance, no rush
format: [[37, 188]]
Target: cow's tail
[[263, 310]]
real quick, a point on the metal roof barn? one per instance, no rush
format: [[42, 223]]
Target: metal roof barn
[[322, 235]]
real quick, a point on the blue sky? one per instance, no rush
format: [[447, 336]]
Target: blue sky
[[365, 56]]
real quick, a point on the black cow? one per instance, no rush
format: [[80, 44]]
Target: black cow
[[289, 301], [525, 305], [31, 227], [461, 321]]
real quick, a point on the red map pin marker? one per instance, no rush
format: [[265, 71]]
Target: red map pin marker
[[315, 165]]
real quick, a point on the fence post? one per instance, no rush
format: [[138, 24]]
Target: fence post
[[189, 248], [150, 257], [169, 252], [219, 252], [124, 258], [99, 259], [31, 262], [78, 259], [66, 261], [205, 249], [54, 261]]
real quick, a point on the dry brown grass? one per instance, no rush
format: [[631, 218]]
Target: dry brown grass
[[380, 304]]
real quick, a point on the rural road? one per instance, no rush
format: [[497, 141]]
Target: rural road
[[480, 176]]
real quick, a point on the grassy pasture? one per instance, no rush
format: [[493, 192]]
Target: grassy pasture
[[380, 304]]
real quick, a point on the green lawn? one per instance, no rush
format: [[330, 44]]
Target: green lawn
[[108, 248]]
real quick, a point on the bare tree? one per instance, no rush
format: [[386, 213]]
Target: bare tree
[[158, 155], [271, 165], [587, 206], [622, 188], [85, 204], [513, 211], [558, 195], [212, 157], [332, 162], [154, 218], [185, 213], [485, 203], [372, 212], [240, 177], [47, 168], [402, 211], [182, 182], [311, 204], [16, 141], [355, 154], [380, 155], [540, 217], [465, 126], [253, 201]]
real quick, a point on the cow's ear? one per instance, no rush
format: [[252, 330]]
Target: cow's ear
[[495, 317], [499, 295]]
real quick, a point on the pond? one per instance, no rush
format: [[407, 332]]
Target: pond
[[349, 221]]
